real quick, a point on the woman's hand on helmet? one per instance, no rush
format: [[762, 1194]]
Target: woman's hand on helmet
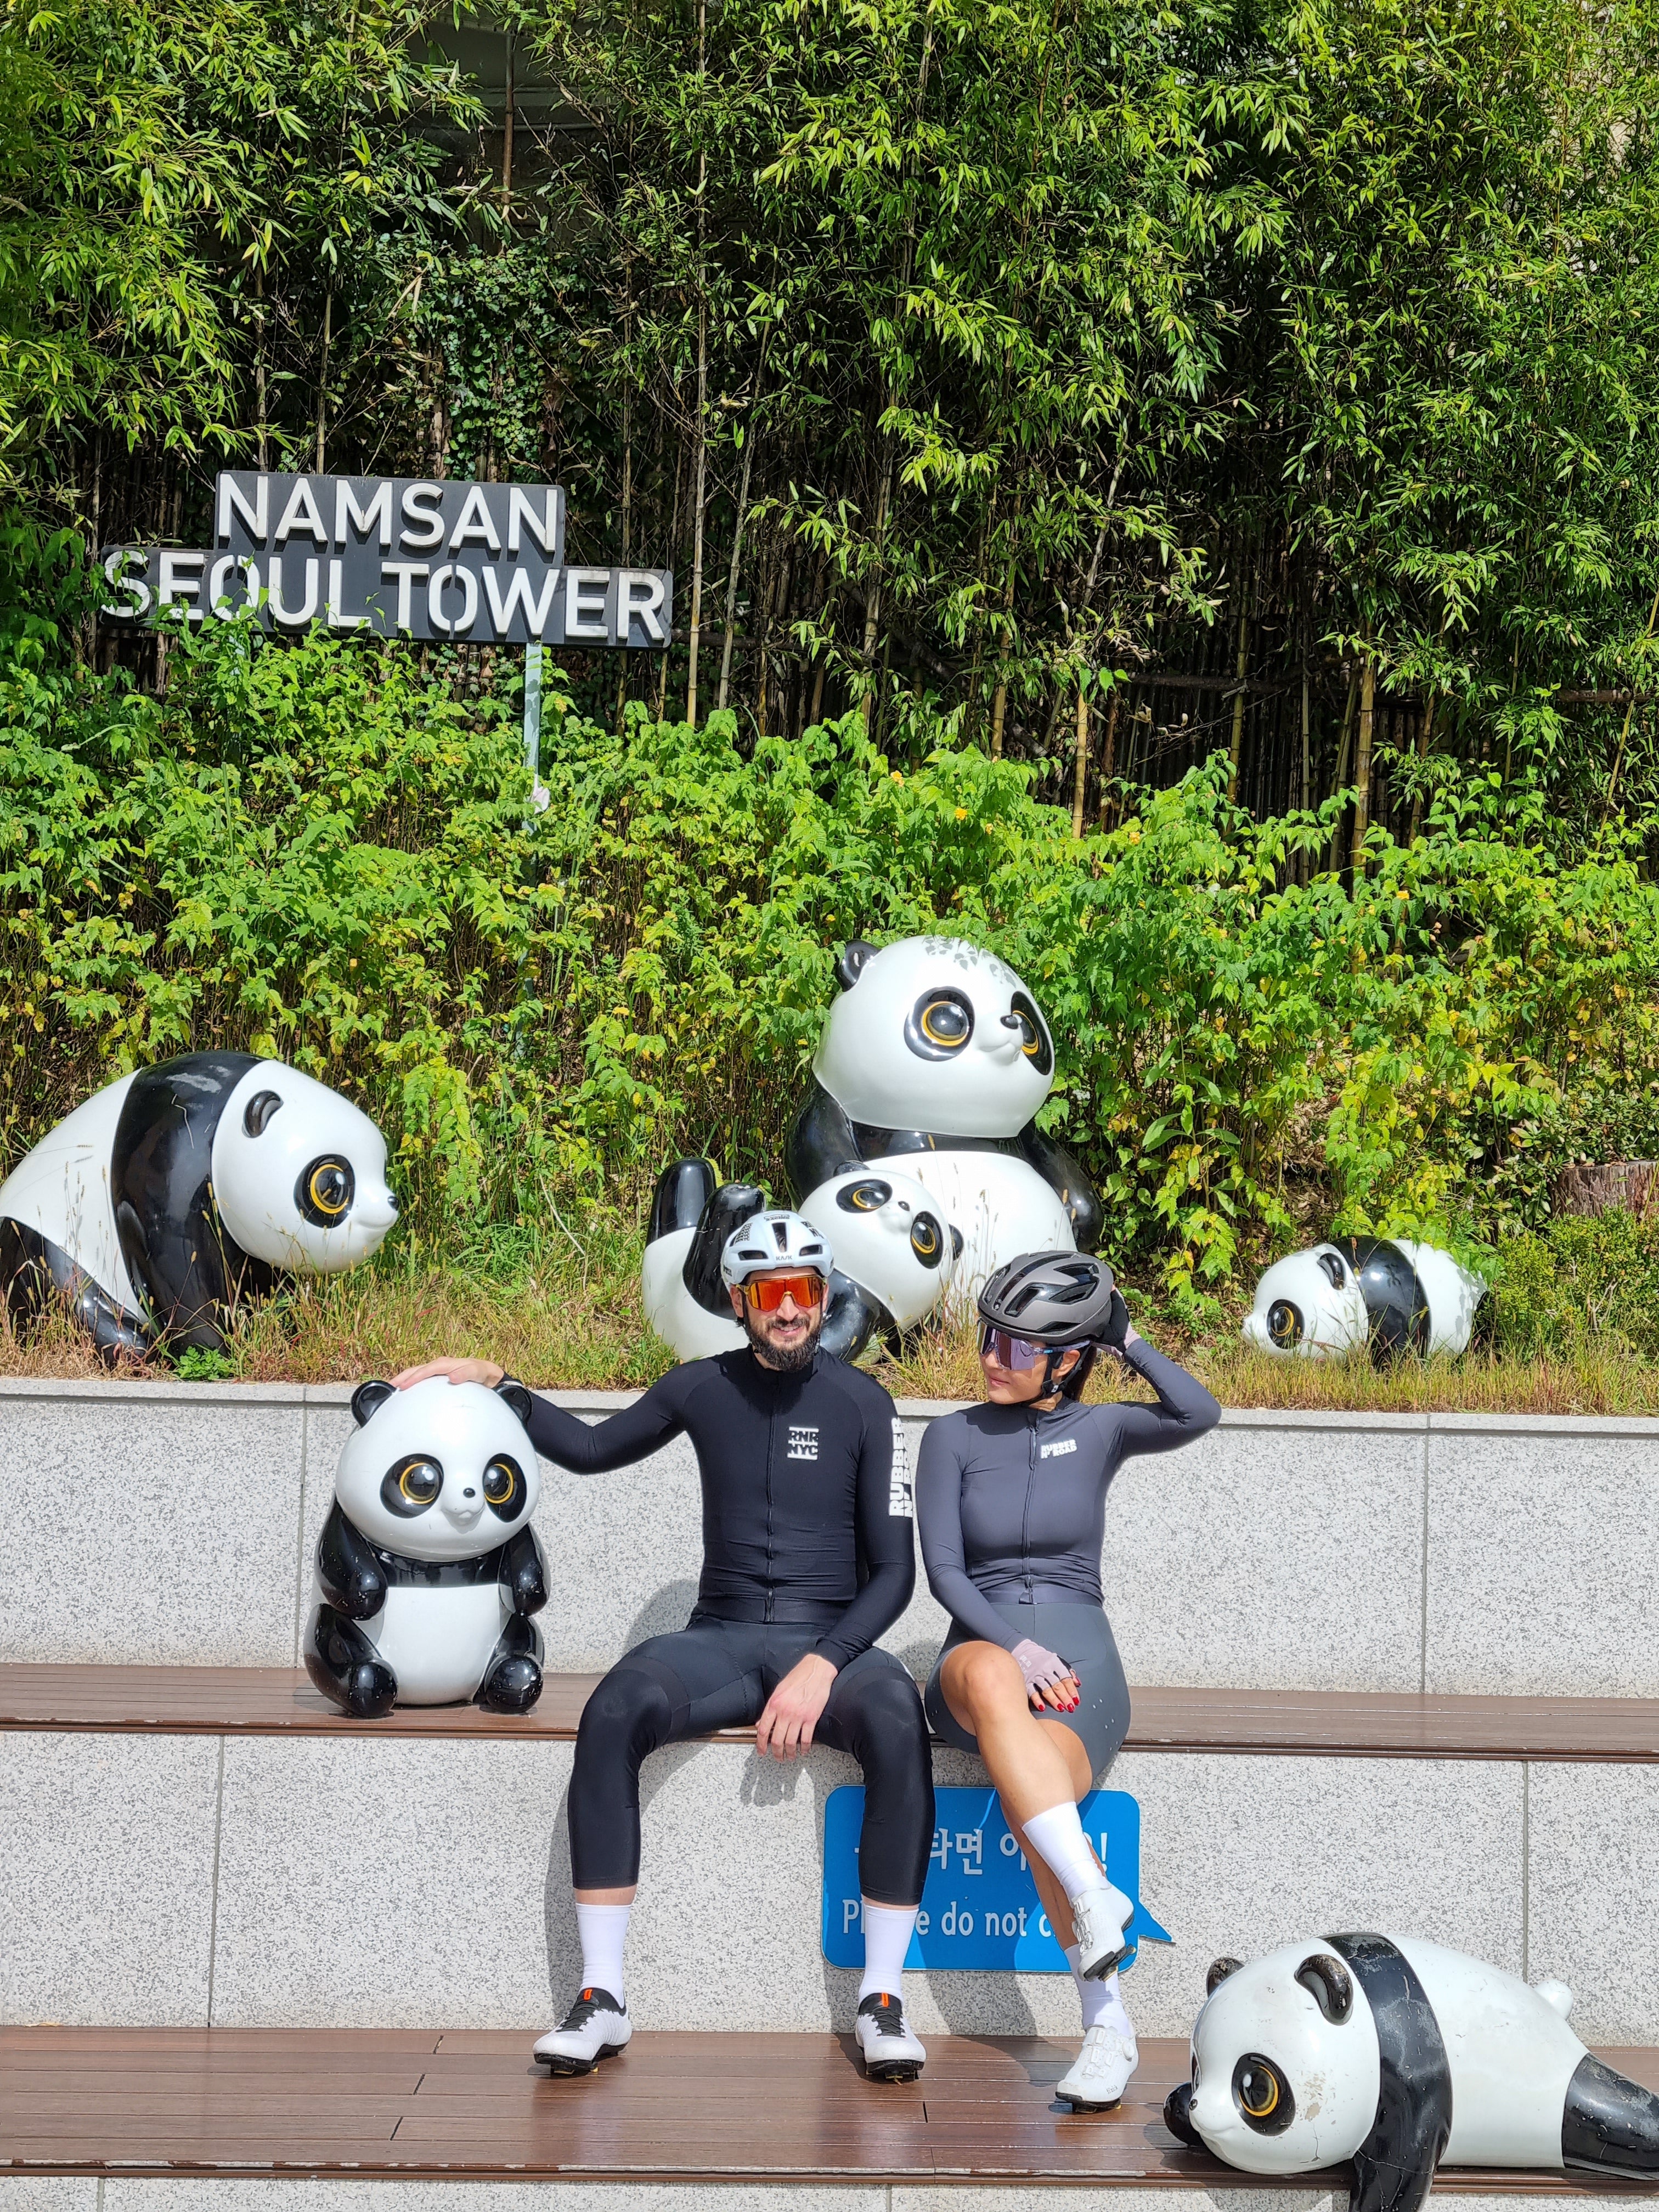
[[1116, 1332], [1047, 1679]]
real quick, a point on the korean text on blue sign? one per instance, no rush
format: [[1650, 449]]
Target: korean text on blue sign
[[980, 1907]]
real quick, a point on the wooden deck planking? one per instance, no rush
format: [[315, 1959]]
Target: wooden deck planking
[[1366, 1724], [673, 2107]]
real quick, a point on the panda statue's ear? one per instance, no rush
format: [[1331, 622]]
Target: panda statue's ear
[[369, 1398], [257, 1118], [850, 966], [512, 1393]]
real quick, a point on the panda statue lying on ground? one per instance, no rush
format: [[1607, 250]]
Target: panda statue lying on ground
[[1391, 1295], [152, 1210], [894, 1259], [933, 1064], [428, 1571], [1396, 2055]]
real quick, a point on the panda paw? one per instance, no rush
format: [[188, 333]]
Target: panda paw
[[371, 1690], [512, 1686]]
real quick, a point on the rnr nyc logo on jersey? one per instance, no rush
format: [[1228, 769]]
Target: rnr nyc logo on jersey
[[901, 1505], [803, 1444]]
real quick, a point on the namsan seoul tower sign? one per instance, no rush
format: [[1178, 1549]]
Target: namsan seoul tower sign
[[392, 556]]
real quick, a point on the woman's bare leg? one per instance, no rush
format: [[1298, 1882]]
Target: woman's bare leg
[[1034, 1763]]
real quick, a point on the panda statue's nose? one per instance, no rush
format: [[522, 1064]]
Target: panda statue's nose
[[469, 1493], [1011, 1021]]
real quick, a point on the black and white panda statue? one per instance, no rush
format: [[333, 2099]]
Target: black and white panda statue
[[894, 1258], [933, 1064], [1387, 1294], [1395, 2056], [428, 1571], [171, 1195]]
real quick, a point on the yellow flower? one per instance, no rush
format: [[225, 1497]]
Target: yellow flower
[[962, 814], [897, 778]]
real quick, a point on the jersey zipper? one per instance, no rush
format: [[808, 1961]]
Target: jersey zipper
[[1025, 1519], [771, 1457]]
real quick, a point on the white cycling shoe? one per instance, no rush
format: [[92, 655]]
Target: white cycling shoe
[[1101, 2074], [890, 2051], [1099, 1917], [596, 2027]]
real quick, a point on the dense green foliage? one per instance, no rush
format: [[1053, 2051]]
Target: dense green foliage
[[304, 850], [948, 349]]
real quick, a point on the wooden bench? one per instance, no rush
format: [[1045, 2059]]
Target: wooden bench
[[1346, 1723], [404, 2103]]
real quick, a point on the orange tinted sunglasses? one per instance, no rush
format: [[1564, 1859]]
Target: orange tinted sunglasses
[[765, 1294]]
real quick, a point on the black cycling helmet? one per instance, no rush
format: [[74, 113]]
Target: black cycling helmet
[[1056, 1298]]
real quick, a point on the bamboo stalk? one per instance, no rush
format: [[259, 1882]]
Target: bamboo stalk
[[1362, 774], [1081, 765]]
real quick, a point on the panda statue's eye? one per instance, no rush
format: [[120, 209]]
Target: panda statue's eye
[[926, 1239], [1285, 1323], [504, 1486], [940, 1024], [867, 1197], [325, 1192], [1033, 1037], [1262, 2094], [411, 1486]]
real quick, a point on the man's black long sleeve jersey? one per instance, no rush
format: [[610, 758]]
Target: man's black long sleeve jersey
[[806, 1500]]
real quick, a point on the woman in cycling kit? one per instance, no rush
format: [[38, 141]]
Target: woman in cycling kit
[[1010, 1506]]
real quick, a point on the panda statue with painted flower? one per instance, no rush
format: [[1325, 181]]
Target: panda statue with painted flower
[[933, 1064], [427, 1572]]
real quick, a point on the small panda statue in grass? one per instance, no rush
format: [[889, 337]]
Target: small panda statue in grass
[[173, 1196], [428, 1571], [1386, 1294]]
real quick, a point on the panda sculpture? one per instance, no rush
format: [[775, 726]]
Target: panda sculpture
[[1395, 2055], [894, 1257], [933, 1064], [1394, 1296], [171, 1194], [428, 1571]]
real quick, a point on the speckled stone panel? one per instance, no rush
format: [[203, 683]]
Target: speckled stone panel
[[1241, 1854], [179, 1550], [1275, 1554], [106, 1843], [1593, 1837], [395, 1883], [1541, 1537], [48, 2192], [378, 1883], [333, 2194], [978, 2197]]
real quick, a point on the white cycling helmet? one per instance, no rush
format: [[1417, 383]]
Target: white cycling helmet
[[767, 1240]]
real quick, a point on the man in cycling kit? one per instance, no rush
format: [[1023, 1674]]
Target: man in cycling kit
[[808, 1558]]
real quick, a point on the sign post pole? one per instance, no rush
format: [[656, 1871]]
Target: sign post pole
[[533, 716]]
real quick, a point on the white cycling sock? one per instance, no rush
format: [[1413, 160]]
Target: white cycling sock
[[604, 1930], [887, 1932], [1103, 2001], [1057, 1838]]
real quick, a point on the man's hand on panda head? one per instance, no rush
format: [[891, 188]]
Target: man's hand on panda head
[[455, 1370]]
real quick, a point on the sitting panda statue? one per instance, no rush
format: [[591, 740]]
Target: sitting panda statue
[[894, 1258], [171, 1194], [1389, 1294], [428, 1571], [933, 1064]]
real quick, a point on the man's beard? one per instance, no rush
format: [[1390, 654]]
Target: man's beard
[[783, 1361]]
